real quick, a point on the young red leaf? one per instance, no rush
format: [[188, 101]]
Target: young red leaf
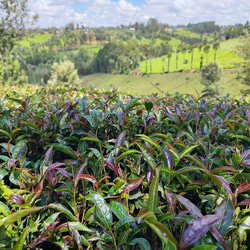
[[48, 155], [54, 166], [11, 162], [170, 146], [65, 173], [200, 182], [78, 155], [178, 111], [244, 203], [225, 184], [110, 165], [150, 174], [16, 198], [39, 187], [40, 238], [218, 236], [28, 173], [88, 177], [133, 184], [51, 176], [119, 142], [168, 158], [193, 210], [242, 188], [78, 172], [105, 177], [197, 228], [224, 168], [21, 185], [170, 200], [171, 117]]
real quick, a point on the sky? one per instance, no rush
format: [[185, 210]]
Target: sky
[[99, 13]]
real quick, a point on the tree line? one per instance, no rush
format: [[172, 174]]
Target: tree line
[[123, 47]]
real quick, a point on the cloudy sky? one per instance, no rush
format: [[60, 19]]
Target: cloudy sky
[[95, 13]]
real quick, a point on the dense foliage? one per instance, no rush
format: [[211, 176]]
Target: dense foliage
[[82, 168]]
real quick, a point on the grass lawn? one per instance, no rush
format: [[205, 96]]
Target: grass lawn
[[37, 38], [184, 83]]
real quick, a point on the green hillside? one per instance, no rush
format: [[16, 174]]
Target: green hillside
[[191, 34], [226, 59], [157, 83], [36, 38], [231, 44]]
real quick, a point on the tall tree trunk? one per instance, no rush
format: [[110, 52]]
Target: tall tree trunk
[[176, 62], [201, 61], [183, 63], [192, 58]]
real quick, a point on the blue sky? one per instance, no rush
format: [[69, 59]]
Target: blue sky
[[96, 13]]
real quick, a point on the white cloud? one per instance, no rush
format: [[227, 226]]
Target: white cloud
[[108, 13]]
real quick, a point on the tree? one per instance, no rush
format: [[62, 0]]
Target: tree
[[183, 49], [146, 50], [244, 52], [206, 50], [191, 50], [216, 45], [210, 77], [14, 20], [201, 55], [169, 58], [64, 73]]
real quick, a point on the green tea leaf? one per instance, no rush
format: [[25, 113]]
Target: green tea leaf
[[187, 150], [226, 209], [124, 220], [127, 153], [147, 154], [161, 230], [118, 209], [203, 247], [5, 133], [61, 208], [153, 194], [21, 239], [77, 225], [18, 215], [102, 210], [66, 150], [143, 243]]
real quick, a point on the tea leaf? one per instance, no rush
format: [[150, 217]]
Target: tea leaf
[[133, 185], [21, 239], [102, 210], [197, 228], [18, 215], [153, 194]]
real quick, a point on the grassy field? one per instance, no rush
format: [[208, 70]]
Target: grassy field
[[185, 83], [225, 58], [37, 38]]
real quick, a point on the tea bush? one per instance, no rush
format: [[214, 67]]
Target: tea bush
[[89, 169]]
